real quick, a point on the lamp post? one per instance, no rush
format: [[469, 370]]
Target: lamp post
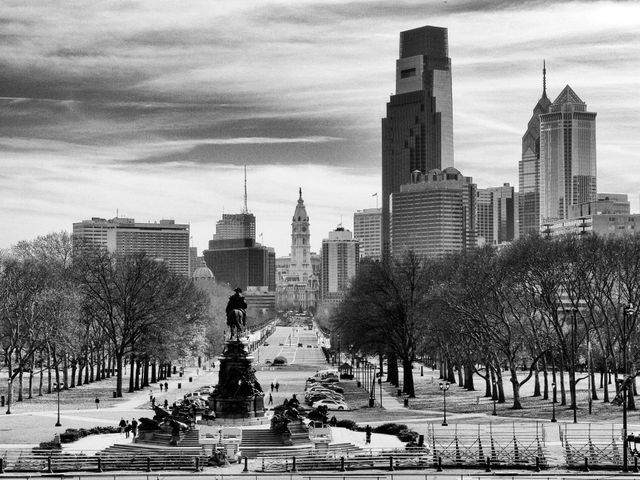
[[9, 395], [494, 395], [573, 366], [58, 424], [553, 403], [628, 310], [444, 386]]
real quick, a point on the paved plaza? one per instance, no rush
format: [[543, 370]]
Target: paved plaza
[[33, 421]]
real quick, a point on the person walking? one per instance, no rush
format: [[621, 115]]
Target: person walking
[[367, 432], [134, 427], [97, 403], [166, 387], [122, 424], [161, 387], [127, 429], [272, 386], [270, 399], [166, 403], [277, 386]]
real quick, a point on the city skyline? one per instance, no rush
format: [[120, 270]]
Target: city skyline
[[153, 110]]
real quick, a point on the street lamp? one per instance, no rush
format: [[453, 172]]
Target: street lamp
[[573, 366], [494, 395], [444, 386], [553, 403], [9, 395], [628, 310], [58, 424]]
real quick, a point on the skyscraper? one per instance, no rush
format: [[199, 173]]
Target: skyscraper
[[497, 215], [236, 225], [567, 156], [529, 167], [367, 228], [435, 214], [300, 242], [417, 133], [340, 262]]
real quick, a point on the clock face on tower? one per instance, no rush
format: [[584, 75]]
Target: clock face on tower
[[304, 229]]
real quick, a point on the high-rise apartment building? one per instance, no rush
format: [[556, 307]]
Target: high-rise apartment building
[[340, 262], [417, 132], [567, 156], [497, 215], [435, 214], [529, 167], [367, 229], [164, 240]]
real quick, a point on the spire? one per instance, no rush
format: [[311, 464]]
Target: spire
[[245, 209], [300, 191], [544, 78]]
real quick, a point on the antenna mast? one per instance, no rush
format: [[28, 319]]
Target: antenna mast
[[245, 210]]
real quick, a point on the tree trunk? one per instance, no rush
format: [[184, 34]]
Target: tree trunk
[[606, 384], [74, 368], [132, 373], [460, 376], [136, 382], [516, 386], [145, 376], [545, 376], [381, 363], [30, 387], [118, 361], [536, 380], [9, 382], [392, 369], [48, 369], [65, 373], [501, 397], [407, 379], [41, 377], [21, 384], [563, 392], [468, 382], [153, 372], [80, 367]]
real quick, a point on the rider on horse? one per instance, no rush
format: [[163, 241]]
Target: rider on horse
[[237, 302]]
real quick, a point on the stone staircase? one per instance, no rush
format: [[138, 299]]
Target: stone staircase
[[254, 440], [190, 438]]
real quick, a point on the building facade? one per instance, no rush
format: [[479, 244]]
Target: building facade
[[435, 215], [367, 229], [417, 132], [529, 168], [567, 156], [236, 225], [616, 203], [297, 286], [242, 263], [497, 215], [165, 240], [340, 262], [604, 224]]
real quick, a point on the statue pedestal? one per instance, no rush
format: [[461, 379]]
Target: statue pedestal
[[238, 393]]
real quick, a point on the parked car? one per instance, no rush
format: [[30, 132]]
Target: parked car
[[314, 397], [192, 395], [331, 404], [205, 390]]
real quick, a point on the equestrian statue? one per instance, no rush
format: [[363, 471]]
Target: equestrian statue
[[237, 313]]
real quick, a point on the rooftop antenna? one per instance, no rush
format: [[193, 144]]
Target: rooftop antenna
[[245, 210], [544, 78]]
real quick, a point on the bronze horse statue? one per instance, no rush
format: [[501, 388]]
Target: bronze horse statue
[[236, 322]]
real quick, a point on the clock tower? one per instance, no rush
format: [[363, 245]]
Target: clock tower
[[300, 248]]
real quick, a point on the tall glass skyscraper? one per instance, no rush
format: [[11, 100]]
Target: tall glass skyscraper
[[529, 167], [567, 156], [417, 133]]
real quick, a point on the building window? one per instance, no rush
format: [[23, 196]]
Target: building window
[[409, 72]]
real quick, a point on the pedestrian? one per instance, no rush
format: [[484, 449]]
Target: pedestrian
[[277, 386], [127, 429], [150, 394], [122, 424], [334, 421], [367, 432], [134, 427], [270, 399], [166, 387], [166, 403], [272, 386], [97, 403], [153, 401], [161, 387]]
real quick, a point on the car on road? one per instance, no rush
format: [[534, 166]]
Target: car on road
[[192, 395], [314, 397], [331, 404], [205, 390]]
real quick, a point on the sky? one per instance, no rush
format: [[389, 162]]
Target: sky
[[150, 109]]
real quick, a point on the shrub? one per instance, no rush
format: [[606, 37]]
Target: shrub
[[279, 361], [50, 445], [407, 436], [390, 428], [346, 423]]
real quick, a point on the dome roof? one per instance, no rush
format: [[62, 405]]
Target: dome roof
[[202, 273]]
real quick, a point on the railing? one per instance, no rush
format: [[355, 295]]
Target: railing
[[592, 445]]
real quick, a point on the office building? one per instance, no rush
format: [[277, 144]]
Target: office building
[[163, 241], [567, 156], [340, 262], [497, 215], [242, 263], [529, 167], [367, 229], [614, 203], [236, 225], [435, 215], [417, 132], [603, 224]]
